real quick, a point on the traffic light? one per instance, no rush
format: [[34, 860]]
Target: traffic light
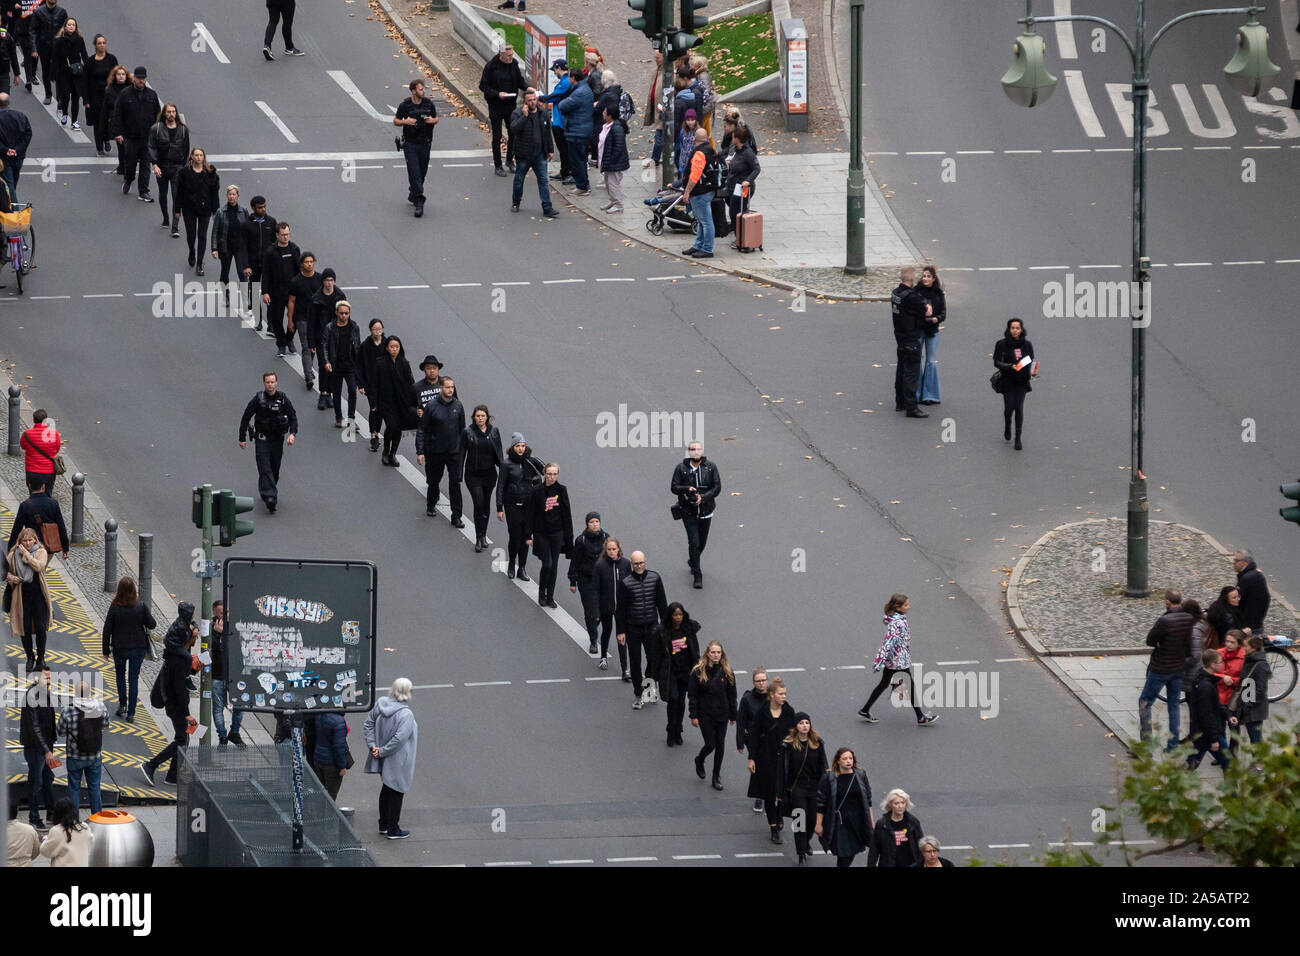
[[651, 21], [679, 43], [196, 508], [227, 504], [690, 20], [1291, 490]]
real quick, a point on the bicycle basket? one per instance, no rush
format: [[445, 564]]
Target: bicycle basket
[[18, 221]]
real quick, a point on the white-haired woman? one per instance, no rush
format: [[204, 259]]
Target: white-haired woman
[[896, 838], [930, 853], [391, 736]]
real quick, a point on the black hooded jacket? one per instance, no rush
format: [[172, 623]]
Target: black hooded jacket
[[519, 475], [175, 674], [1254, 597], [587, 549]]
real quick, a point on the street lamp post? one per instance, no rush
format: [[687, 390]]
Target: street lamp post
[[1028, 83], [855, 263]]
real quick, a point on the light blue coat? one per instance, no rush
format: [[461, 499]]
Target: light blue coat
[[391, 727]]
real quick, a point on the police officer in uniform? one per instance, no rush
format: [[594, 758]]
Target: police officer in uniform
[[273, 418], [910, 309], [417, 116]]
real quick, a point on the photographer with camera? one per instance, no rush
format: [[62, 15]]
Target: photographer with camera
[[696, 483], [417, 116]]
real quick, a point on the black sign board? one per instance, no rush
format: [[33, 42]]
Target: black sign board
[[300, 634]]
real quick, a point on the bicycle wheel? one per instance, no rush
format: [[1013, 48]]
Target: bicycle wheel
[[1285, 672], [30, 264]]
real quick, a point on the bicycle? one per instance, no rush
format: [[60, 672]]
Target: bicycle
[[1281, 662], [19, 246]]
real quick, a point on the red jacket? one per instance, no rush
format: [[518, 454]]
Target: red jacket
[[1232, 668], [45, 438]]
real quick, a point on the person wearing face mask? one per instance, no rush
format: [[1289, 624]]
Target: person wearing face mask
[[520, 472], [696, 483], [548, 528], [611, 568], [588, 546], [679, 652]]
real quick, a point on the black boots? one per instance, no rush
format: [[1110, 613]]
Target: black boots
[[717, 782], [699, 767]]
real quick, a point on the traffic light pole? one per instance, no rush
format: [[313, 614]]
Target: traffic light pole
[[205, 618], [855, 263], [668, 171]]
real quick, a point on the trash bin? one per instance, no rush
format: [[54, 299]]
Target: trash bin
[[119, 840]]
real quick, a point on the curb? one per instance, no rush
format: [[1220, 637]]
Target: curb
[[433, 61]]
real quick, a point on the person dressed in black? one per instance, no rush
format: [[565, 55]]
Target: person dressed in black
[[1206, 710], [438, 440], [909, 309], [639, 610], [340, 350], [501, 83], [896, 837], [118, 81], [171, 692], [548, 529], [302, 289], [588, 546], [1253, 588], [281, 263], [765, 735], [70, 63], [135, 111], [169, 152], [368, 359], [844, 817], [520, 472], [429, 388], [321, 316], [37, 734], [99, 67], [679, 652], [259, 235], [197, 189], [753, 700], [228, 226], [711, 689], [126, 640], [480, 457], [742, 169], [47, 23], [275, 10], [532, 143], [417, 116], [696, 483], [1014, 358], [1223, 615], [395, 391], [37, 510], [801, 766], [608, 571], [274, 422], [19, 24]]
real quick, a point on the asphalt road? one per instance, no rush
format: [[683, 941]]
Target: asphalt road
[[150, 405]]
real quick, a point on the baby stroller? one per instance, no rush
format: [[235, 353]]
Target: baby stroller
[[668, 209]]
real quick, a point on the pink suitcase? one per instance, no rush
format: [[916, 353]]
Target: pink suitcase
[[749, 231]]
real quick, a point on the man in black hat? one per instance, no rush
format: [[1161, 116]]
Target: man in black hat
[[430, 387], [417, 116], [134, 113]]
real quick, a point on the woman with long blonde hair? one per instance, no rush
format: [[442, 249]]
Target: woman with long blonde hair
[[711, 691], [29, 608], [197, 189], [802, 764]]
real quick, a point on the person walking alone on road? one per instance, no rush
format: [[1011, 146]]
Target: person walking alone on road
[[481, 456], [280, 264], [126, 640], [765, 734], [99, 68], [169, 151], [274, 422], [896, 837], [548, 529], [29, 600], [679, 652], [329, 758], [81, 722], [532, 141], [368, 359], [753, 701], [844, 817], [711, 689], [611, 156], [931, 291], [439, 436], [302, 289], [70, 66], [801, 766], [640, 608], [392, 738], [587, 548], [895, 657], [501, 83], [118, 81], [609, 570], [520, 472], [171, 690], [1171, 636], [341, 350], [909, 310], [417, 116], [697, 484], [275, 9], [1013, 356], [228, 228], [395, 392], [198, 187]]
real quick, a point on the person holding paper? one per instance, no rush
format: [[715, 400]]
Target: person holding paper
[[172, 690], [1014, 358]]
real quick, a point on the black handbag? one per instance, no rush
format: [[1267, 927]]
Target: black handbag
[[996, 381], [676, 511], [9, 597]]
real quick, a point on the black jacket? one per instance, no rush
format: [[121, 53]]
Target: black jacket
[[104, 122], [341, 345], [687, 657], [169, 149], [15, 131], [724, 144], [480, 452], [421, 132], [258, 237], [1255, 667], [1254, 598], [1223, 617], [498, 77], [743, 167], [641, 602], [126, 628], [279, 267], [707, 485], [47, 22], [229, 238], [442, 428], [908, 307], [1172, 639], [177, 663], [1204, 708], [802, 768], [69, 50], [518, 478], [883, 848], [197, 192], [426, 391], [544, 498], [751, 704], [532, 134], [271, 415], [938, 308], [37, 727], [586, 552], [614, 159], [321, 314], [39, 509], [715, 698], [394, 390], [607, 574], [1004, 357], [860, 792], [134, 113], [368, 359]]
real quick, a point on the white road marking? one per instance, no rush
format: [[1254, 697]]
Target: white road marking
[[567, 862], [549, 680], [751, 856], [998, 268], [850, 667], [1011, 660], [1211, 147], [1283, 262], [1044, 268], [1193, 263], [631, 859], [314, 167], [1065, 47], [38, 297], [279, 123], [620, 279], [1246, 262], [510, 863], [959, 846], [211, 41], [880, 153], [1113, 149], [1083, 150], [976, 152], [1074, 843], [1261, 147], [431, 686], [1008, 846], [1169, 149], [270, 169], [460, 165], [352, 90], [363, 288], [926, 152], [560, 281], [76, 135], [1017, 152], [512, 283], [663, 278], [103, 295], [461, 285], [487, 683], [785, 670], [1104, 266], [697, 856], [423, 285], [602, 678], [952, 663]]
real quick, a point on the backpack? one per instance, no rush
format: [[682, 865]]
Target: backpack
[[156, 693], [90, 734], [711, 178], [625, 107]]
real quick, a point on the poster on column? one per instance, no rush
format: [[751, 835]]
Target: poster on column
[[300, 634], [797, 76]]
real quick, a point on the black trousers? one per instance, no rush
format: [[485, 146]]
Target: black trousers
[[714, 733], [676, 695], [497, 119], [26, 44], [338, 379], [1013, 403], [180, 727], [33, 627], [274, 11], [590, 595], [269, 452], [374, 419], [548, 545], [196, 227], [515, 548], [225, 258], [48, 70], [606, 629], [907, 375], [434, 466], [481, 485], [390, 808], [638, 637], [275, 320], [697, 538], [393, 433], [169, 184], [804, 799], [135, 163], [71, 91], [417, 167], [885, 677]]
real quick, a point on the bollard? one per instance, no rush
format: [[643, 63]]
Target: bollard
[[145, 576], [78, 508], [15, 420], [110, 556]]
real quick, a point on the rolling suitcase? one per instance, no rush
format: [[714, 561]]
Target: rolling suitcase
[[749, 231], [719, 210]]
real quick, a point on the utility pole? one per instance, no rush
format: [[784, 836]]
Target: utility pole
[[855, 263]]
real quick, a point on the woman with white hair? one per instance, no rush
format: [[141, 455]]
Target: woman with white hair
[[896, 838], [391, 736], [930, 853]]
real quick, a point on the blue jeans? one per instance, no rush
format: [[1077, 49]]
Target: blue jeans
[[577, 162], [1173, 687], [13, 166], [417, 167], [1219, 756], [127, 663], [702, 209], [40, 784], [219, 711], [538, 167], [657, 153], [92, 768], [928, 390]]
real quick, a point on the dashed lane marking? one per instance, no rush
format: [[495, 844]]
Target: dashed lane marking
[[211, 42], [352, 90], [279, 123], [487, 683]]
